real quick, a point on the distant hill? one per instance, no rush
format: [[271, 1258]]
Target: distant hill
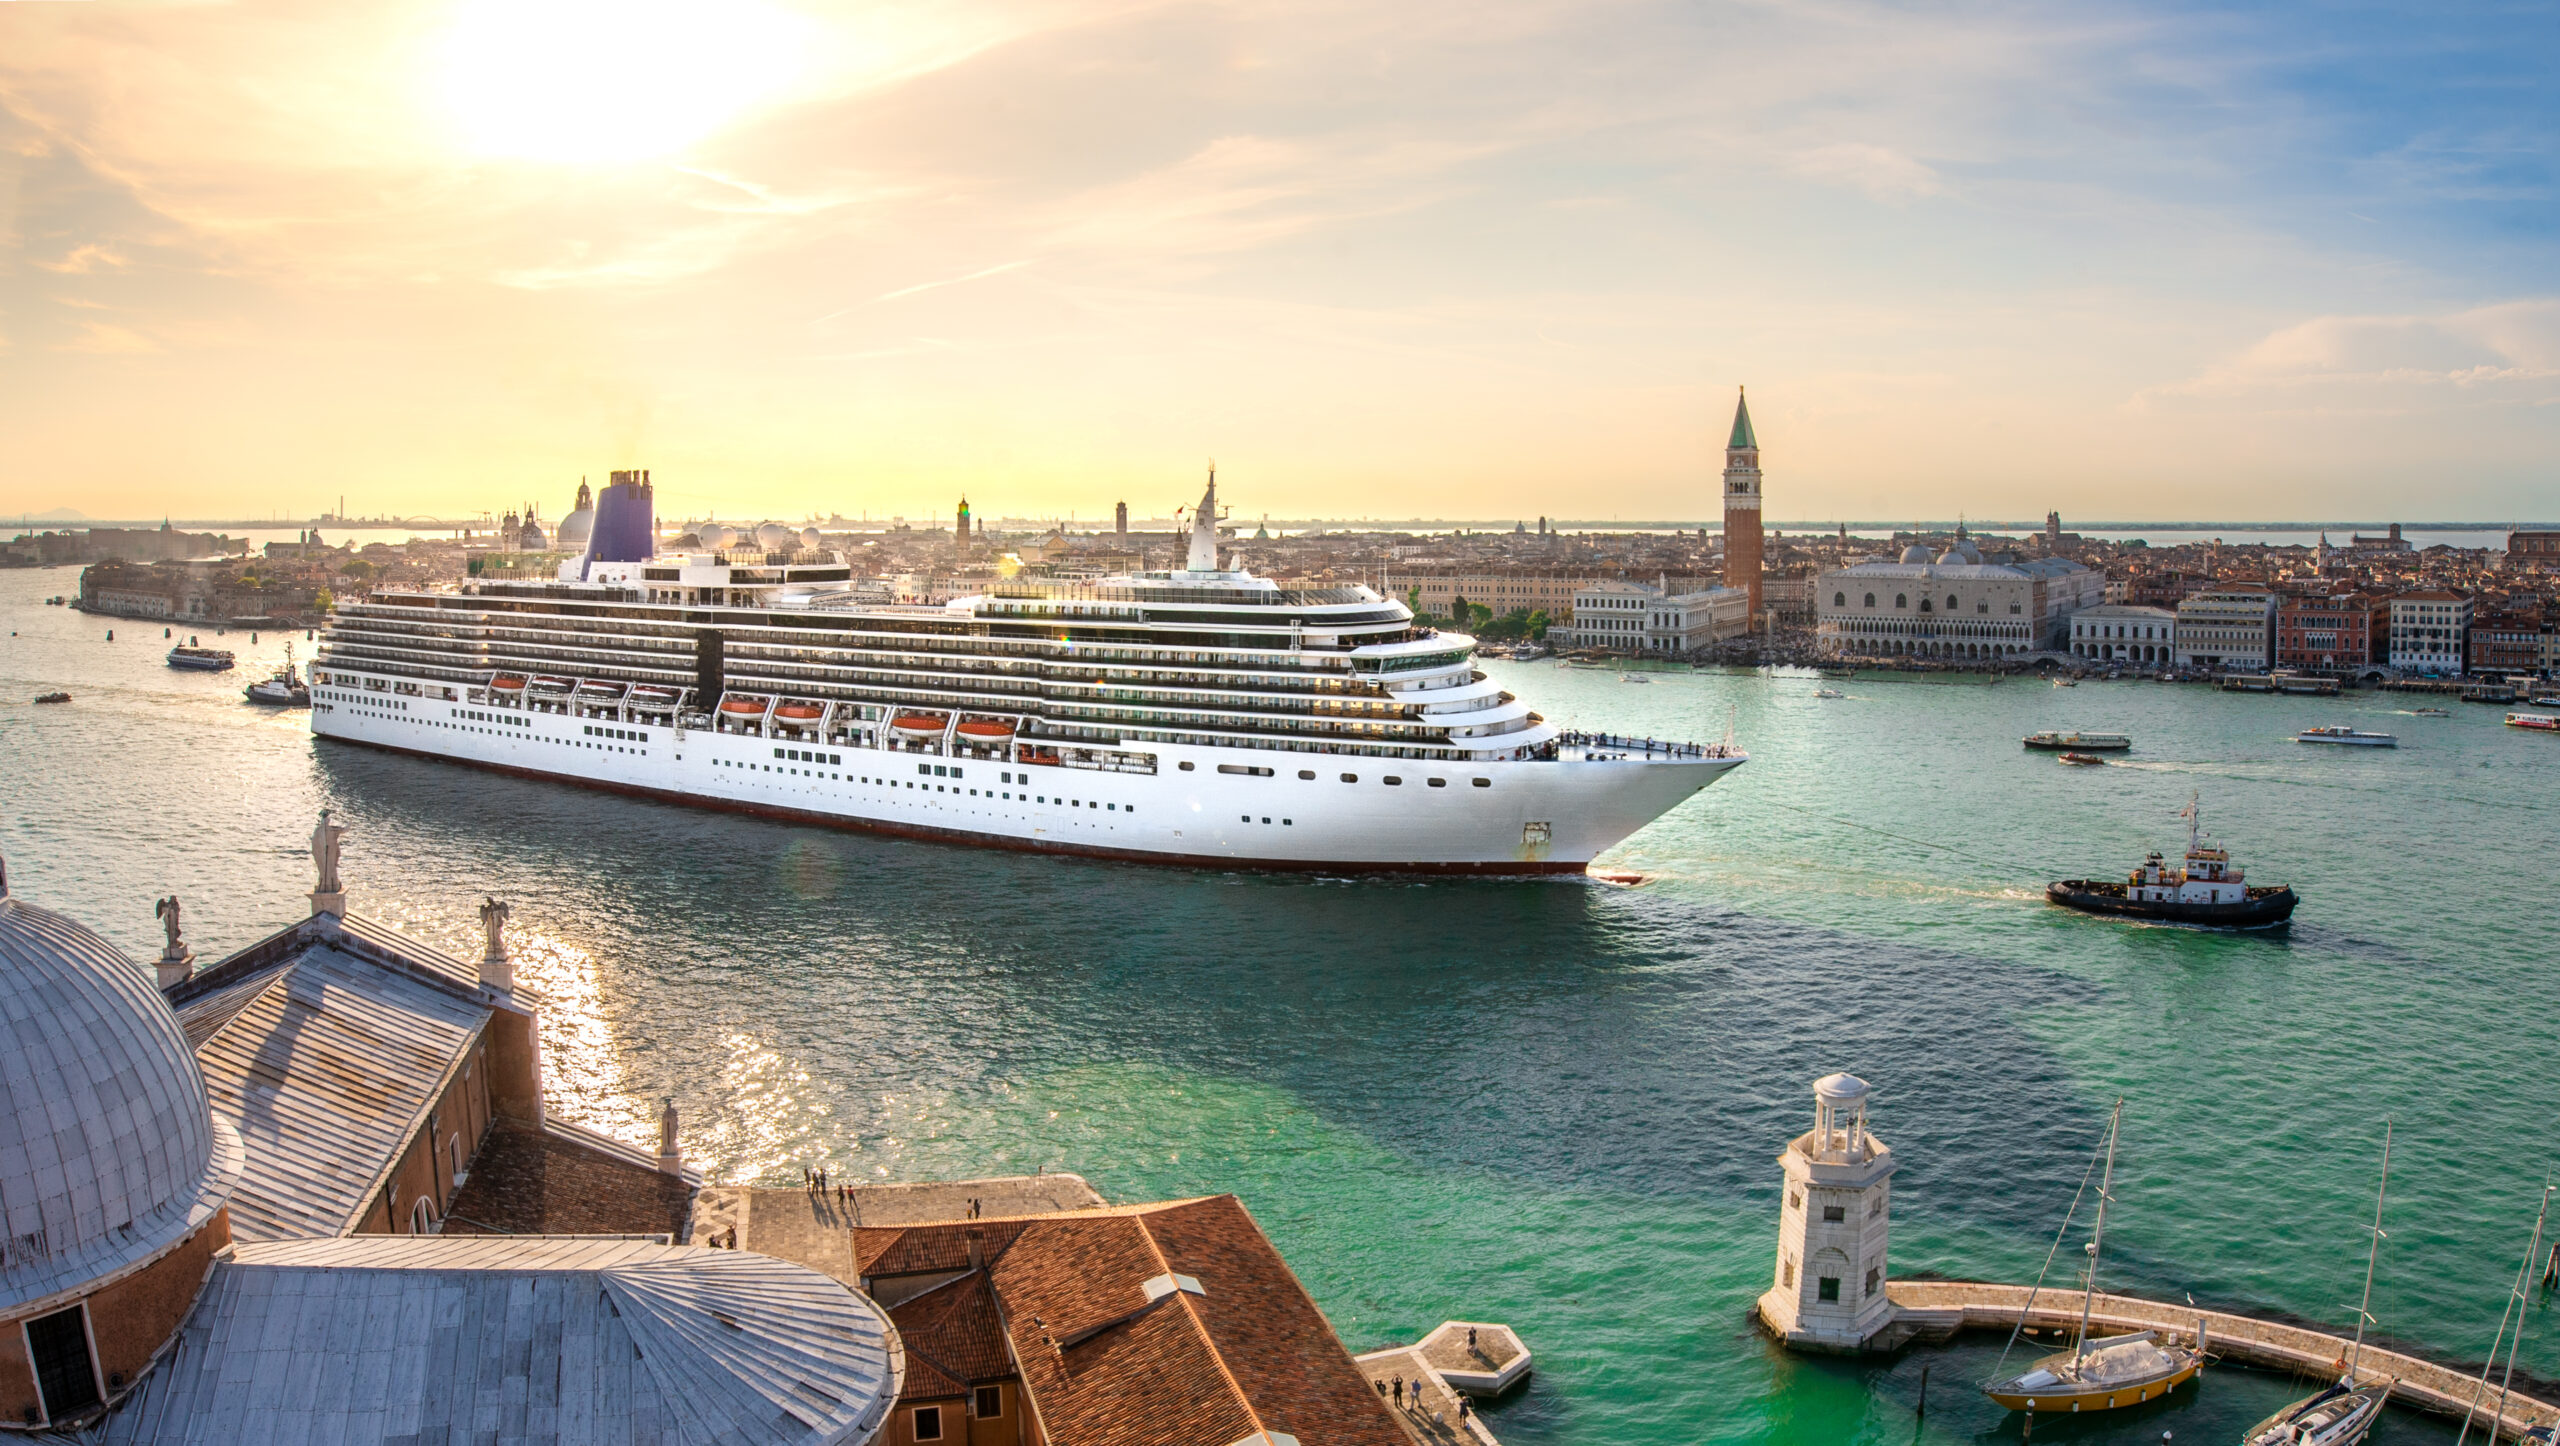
[[59, 514]]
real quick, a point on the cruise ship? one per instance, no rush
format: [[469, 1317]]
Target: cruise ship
[[1198, 716]]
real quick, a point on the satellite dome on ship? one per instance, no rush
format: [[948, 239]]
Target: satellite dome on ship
[[110, 1155]]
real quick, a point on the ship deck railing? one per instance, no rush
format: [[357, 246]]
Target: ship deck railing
[[1644, 747]]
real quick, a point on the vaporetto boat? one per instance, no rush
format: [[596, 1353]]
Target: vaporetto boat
[[1200, 715]]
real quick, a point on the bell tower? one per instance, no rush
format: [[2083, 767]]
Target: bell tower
[[1742, 505], [1828, 1292]]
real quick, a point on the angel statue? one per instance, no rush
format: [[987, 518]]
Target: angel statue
[[493, 925], [167, 912], [324, 852]]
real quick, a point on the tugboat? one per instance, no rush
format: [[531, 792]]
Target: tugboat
[[197, 659], [2209, 891], [2053, 742], [285, 690], [53, 697]]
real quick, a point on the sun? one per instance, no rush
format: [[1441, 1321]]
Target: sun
[[587, 82]]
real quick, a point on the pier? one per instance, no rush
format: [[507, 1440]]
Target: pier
[[1934, 1310], [1478, 1359]]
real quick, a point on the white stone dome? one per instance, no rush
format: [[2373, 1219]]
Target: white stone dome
[[1963, 553], [1839, 1089], [574, 530], [109, 1151], [1915, 553]]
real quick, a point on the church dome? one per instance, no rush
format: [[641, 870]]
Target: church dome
[[574, 530], [529, 539], [109, 1152], [1964, 553], [1915, 553]]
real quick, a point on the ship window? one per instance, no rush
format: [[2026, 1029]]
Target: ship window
[[1288, 821], [1481, 782], [1244, 818], [1307, 773], [1186, 768], [1392, 781], [1112, 807], [925, 769], [1351, 778], [1437, 782], [1827, 1288], [777, 753]]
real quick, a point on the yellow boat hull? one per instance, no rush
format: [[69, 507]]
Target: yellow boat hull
[[2061, 1398]]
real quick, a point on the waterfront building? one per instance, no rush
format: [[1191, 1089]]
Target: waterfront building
[[2507, 640], [1834, 1226], [1167, 1324], [2533, 547], [2227, 629], [2429, 631], [1954, 605], [1742, 504], [1629, 617], [2114, 632], [147, 1197], [2343, 635], [1438, 590], [2390, 541]]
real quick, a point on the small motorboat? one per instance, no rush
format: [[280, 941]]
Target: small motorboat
[[2082, 760], [2347, 737], [1829, 693], [200, 660], [2053, 742], [2437, 712], [53, 697], [2066, 682], [2538, 722], [1633, 678], [2552, 701]]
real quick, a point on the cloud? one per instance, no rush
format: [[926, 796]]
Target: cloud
[[1883, 173], [2511, 346]]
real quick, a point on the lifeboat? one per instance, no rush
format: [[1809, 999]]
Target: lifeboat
[[553, 685], [506, 683], [742, 707], [600, 690], [650, 693], [917, 725], [799, 712], [984, 731]]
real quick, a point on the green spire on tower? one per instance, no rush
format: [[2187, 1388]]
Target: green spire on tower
[[1741, 422]]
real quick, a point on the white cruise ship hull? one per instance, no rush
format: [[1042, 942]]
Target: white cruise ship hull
[[1525, 817]]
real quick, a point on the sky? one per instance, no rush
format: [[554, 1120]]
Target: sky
[[2230, 261]]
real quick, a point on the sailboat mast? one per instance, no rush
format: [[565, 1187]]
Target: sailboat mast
[[2098, 1233], [2372, 1252]]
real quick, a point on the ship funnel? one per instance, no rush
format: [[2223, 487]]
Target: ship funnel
[[626, 527]]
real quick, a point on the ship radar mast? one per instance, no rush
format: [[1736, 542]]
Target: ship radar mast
[[2194, 815]]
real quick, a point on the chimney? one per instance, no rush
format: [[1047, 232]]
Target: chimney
[[670, 1154]]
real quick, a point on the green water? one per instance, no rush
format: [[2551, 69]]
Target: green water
[[1551, 1103]]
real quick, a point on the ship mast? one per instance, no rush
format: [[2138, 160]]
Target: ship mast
[[2193, 813], [2372, 1252], [2097, 1233]]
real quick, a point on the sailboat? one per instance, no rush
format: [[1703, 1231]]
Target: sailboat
[[2515, 1299], [2342, 1414], [2100, 1375]]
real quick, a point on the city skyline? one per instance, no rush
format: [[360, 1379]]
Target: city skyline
[[2137, 263]]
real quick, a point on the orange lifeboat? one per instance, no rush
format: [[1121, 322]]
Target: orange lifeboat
[[507, 683], [742, 707], [981, 731], [917, 725], [799, 712]]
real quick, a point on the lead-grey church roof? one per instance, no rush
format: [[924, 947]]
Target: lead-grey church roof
[[506, 1339], [109, 1153]]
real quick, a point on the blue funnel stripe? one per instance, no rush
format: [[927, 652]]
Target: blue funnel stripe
[[626, 525]]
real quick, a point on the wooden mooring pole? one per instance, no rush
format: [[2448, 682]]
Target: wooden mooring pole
[[1923, 1413]]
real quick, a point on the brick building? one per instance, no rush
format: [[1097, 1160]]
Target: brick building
[[2341, 635]]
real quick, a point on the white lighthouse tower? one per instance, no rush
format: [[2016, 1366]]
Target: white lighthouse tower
[[1828, 1293]]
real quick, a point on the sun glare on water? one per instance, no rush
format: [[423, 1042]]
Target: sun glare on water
[[581, 81]]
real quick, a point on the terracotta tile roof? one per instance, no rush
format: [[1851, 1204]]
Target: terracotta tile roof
[[540, 1180], [954, 1337], [1154, 1325]]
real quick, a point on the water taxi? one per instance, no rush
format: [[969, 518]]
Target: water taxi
[[2346, 737], [2053, 742], [200, 660], [2081, 760], [2539, 722], [1829, 693]]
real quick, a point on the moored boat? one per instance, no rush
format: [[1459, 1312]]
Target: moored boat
[[2348, 737], [2209, 890], [2100, 1375], [2053, 742], [2539, 722], [53, 697], [2343, 1413], [2082, 760]]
